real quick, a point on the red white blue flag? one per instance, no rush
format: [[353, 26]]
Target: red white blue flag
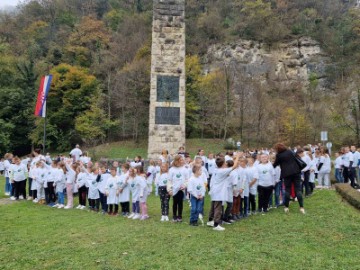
[[40, 109]]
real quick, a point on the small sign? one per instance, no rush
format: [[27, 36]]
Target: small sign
[[329, 145], [324, 135]]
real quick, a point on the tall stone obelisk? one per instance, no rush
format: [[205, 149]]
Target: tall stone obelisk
[[167, 93]]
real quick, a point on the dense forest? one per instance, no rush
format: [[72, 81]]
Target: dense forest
[[99, 53]]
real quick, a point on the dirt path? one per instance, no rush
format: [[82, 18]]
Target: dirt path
[[6, 201]]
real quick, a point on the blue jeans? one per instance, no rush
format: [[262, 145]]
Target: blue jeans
[[136, 207], [61, 199], [338, 176], [8, 186], [196, 209], [279, 190]]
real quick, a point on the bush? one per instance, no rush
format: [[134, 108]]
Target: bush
[[350, 194]]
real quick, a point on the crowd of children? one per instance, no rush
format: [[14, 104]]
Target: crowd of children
[[239, 183]]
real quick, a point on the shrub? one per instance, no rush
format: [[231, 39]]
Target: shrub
[[350, 194]]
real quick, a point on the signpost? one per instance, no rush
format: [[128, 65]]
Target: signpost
[[329, 145]]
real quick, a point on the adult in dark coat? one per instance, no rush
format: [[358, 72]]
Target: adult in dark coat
[[290, 172]]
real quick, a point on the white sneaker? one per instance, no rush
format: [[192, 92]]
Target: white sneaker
[[60, 206], [36, 200], [56, 205], [131, 215], [7, 194], [162, 218], [302, 211], [12, 198], [166, 218], [210, 223], [67, 207], [136, 216], [21, 197], [83, 207], [201, 218], [219, 228], [30, 198], [79, 206], [286, 210]]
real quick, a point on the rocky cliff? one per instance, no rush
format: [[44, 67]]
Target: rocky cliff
[[285, 66]]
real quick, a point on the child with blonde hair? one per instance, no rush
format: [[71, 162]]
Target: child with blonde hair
[[196, 188], [161, 181]]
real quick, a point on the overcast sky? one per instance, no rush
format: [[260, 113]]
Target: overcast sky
[[8, 2]]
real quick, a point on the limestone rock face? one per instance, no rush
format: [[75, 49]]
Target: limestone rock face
[[284, 66]]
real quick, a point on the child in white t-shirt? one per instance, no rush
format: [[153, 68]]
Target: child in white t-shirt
[[218, 191], [162, 179], [111, 192], [124, 191], [253, 180], [196, 188]]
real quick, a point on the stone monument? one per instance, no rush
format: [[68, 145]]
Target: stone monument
[[168, 82]]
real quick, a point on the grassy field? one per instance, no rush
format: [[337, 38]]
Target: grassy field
[[129, 149], [39, 237]]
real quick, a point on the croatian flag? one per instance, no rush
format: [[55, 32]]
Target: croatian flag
[[40, 109]]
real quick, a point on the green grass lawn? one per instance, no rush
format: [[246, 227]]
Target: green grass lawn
[[124, 149], [39, 237]]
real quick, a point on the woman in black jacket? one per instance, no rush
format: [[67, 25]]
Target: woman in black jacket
[[291, 173]]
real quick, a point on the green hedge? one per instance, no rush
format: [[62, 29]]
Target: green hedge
[[350, 194]]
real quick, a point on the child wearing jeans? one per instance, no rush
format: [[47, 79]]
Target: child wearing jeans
[[161, 181], [135, 189], [59, 183], [196, 188]]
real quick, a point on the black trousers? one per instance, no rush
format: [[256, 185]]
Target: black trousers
[[50, 193], [244, 206], [209, 181], [94, 204], [164, 200], [125, 207], [296, 179], [113, 207], [29, 187], [226, 213], [252, 202], [306, 183], [19, 189], [83, 191], [178, 199], [347, 173], [264, 197]]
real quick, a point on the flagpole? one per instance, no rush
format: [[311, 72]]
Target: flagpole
[[44, 142]]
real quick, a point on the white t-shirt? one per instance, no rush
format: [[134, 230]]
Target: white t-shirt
[[338, 162], [162, 179], [178, 177], [326, 167], [18, 172], [76, 152], [196, 186], [211, 166], [266, 175], [253, 174], [218, 184], [346, 159]]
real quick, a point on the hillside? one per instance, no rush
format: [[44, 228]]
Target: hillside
[[250, 71]]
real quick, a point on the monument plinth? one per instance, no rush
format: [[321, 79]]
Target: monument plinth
[[168, 82]]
